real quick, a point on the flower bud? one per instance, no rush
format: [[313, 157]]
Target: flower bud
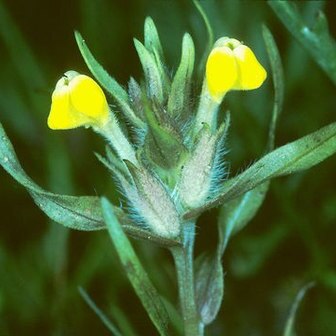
[[195, 181], [77, 101], [152, 202], [232, 66]]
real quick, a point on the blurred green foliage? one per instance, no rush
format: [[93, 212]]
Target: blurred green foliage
[[290, 241]]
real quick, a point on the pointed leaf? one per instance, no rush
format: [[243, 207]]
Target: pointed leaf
[[289, 328], [296, 156], [153, 45], [278, 82], [317, 41], [180, 88], [152, 40], [110, 326], [80, 213], [108, 82], [152, 73], [137, 275], [209, 286], [210, 36]]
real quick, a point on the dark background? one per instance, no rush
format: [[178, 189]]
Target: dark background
[[291, 240]]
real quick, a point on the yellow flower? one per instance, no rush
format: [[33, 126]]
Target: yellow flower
[[232, 66], [77, 101]]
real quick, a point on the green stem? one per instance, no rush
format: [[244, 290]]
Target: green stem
[[183, 257], [118, 140], [207, 111]]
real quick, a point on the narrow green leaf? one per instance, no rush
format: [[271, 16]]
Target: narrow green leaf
[[152, 40], [153, 45], [210, 36], [108, 82], [209, 285], [296, 156], [151, 71], [278, 82], [80, 213], [135, 272], [107, 322], [289, 328], [317, 41], [180, 88]]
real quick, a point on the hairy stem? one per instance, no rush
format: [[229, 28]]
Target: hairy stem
[[118, 140], [207, 111], [183, 257]]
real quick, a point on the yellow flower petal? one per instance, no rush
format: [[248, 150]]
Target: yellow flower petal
[[77, 101], [62, 115], [251, 74], [221, 72], [88, 98]]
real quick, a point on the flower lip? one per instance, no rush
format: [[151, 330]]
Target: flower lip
[[66, 79], [71, 74], [227, 42]]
